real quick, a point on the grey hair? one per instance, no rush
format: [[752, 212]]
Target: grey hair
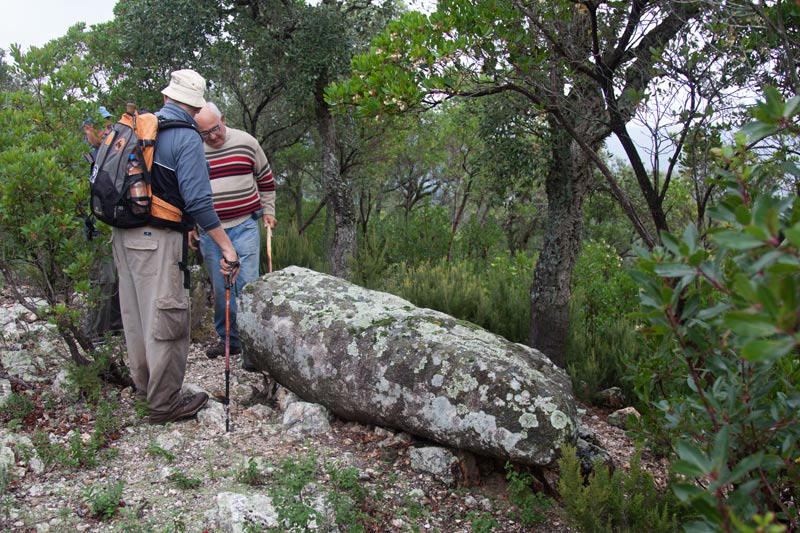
[[214, 109]]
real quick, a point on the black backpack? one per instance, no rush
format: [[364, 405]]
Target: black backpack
[[120, 183]]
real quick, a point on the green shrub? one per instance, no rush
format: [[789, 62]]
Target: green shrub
[[445, 287], [348, 496], [250, 474], [618, 503], [482, 522], [478, 239], [289, 480], [493, 296], [291, 248], [724, 327], [77, 452], [532, 506], [43, 188], [103, 502], [6, 478], [182, 481], [18, 406], [90, 377], [602, 338], [423, 238], [371, 261], [507, 280], [156, 450], [597, 360], [80, 453]]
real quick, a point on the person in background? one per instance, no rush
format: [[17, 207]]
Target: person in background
[[151, 260], [104, 314], [244, 198], [95, 134]]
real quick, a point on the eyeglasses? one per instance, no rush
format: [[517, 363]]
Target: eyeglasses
[[208, 133]]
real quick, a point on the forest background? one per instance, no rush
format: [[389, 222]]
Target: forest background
[[456, 159]]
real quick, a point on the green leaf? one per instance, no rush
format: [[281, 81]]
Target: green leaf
[[686, 468], [755, 131], [674, 270], [791, 107], [736, 240], [719, 454], [671, 243], [793, 234], [686, 492], [749, 325], [768, 350], [693, 459], [691, 237], [714, 311], [745, 466]]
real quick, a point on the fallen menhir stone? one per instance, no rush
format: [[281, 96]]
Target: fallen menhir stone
[[375, 358]]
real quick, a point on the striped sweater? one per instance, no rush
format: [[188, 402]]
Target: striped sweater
[[241, 178]]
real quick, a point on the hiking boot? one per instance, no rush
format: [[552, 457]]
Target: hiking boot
[[219, 349], [187, 408], [190, 405]]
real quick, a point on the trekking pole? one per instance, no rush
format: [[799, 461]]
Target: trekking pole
[[269, 249], [227, 353]]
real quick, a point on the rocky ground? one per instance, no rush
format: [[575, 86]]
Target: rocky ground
[[195, 476]]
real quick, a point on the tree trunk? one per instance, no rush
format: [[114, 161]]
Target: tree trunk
[[337, 190], [566, 184]]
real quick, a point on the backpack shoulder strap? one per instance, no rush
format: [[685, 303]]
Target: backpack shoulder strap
[[168, 123]]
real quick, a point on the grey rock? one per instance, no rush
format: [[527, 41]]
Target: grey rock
[[213, 415], [199, 289], [436, 461], [591, 455], [23, 363], [303, 418], [620, 418], [7, 459], [586, 433], [191, 388], [260, 411], [612, 397], [285, 397], [172, 441], [238, 513], [5, 391], [64, 388], [15, 443], [376, 359]]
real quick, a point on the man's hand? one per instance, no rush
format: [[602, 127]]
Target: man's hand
[[270, 221], [193, 238], [229, 267]]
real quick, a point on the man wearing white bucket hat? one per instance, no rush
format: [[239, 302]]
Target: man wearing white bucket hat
[[150, 259]]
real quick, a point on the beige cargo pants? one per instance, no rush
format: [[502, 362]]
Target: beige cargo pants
[[155, 313]]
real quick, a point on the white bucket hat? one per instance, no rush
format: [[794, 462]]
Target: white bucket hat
[[187, 87]]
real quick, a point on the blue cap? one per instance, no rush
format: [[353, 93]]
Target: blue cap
[[102, 111]]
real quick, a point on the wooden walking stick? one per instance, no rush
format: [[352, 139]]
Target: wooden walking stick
[[269, 249], [227, 352]]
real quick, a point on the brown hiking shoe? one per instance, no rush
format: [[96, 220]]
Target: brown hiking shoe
[[190, 405], [219, 349], [187, 408]]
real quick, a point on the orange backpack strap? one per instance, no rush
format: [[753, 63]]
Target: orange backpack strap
[[147, 130]]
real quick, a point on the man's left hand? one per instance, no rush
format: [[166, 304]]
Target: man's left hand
[[193, 238], [270, 220]]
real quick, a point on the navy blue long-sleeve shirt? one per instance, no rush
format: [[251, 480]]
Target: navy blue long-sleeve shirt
[[181, 150]]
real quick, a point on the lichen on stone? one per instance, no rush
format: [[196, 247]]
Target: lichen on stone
[[528, 421], [559, 420]]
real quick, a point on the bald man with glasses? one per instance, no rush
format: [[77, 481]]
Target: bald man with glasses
[[244, 198]]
